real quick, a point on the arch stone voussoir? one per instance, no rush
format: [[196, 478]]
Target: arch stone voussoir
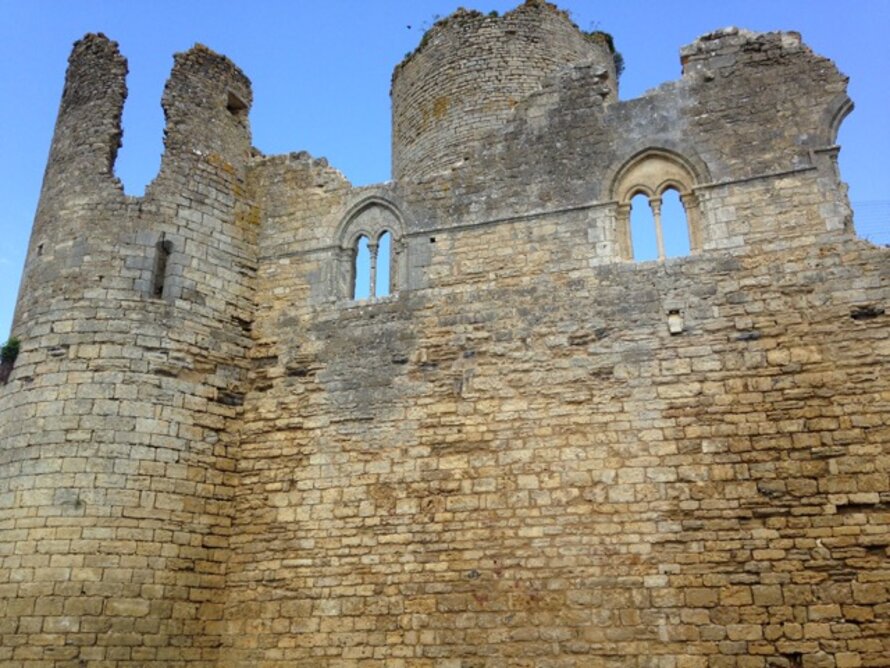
[[655, 169], [370, 214]]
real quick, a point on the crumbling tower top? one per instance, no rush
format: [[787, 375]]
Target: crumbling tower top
[[470, 71]]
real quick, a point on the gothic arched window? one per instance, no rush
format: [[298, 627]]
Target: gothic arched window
[[371, 251], [670, 227]]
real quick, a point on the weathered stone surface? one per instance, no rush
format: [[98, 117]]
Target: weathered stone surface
[[534, 452]]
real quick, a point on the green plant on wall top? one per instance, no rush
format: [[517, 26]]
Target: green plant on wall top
[[10, 350], [617, 58]]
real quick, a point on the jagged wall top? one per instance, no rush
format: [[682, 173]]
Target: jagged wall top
[[206, 101], [88, 130]]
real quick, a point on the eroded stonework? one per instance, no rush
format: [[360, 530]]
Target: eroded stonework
[[536, 451]]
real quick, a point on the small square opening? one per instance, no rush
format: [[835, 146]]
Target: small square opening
[[235, 105]]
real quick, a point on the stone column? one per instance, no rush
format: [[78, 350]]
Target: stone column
[[693, 222], [372, 287], [346, 274], [395, 266], [655, 203]]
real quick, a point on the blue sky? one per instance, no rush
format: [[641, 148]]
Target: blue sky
[[321, 73]]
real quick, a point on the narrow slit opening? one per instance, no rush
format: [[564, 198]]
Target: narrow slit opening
[[163, 249]]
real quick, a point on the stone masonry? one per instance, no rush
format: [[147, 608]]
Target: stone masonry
[[533, 451]]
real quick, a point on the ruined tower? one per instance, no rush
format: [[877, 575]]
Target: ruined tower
[[469, 73], [533, 449], [134, 316]]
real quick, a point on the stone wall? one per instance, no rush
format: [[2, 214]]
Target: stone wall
[[536, 452], [524, 466]]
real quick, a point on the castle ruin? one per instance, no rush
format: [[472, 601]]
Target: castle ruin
[[525, 447]]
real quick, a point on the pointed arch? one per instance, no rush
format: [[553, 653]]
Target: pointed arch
[[356, 220], [653, 170]]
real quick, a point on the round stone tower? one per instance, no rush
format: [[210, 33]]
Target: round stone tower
[[134, 318], [469, 73]]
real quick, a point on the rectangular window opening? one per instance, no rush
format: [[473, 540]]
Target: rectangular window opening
[[235, 105], [162, 255]]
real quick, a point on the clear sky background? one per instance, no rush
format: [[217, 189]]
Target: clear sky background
[[321, 71]]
